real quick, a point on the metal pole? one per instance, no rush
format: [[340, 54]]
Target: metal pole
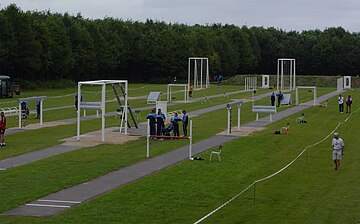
[[277, 76], [41, 112], [291, 72], [168, 92], [282, 75], [103, 113], [239, 106], [207, 74], [229, 119], [189, 71], [185, 94], [78, 112], [191, 136], [195, 74], [201, 73], [294, 82], [148, 140], [126, 108], [314, 96], [297, 96], [254, 192], [20, 114]]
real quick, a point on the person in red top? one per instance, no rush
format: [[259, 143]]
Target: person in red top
[[2, 129]]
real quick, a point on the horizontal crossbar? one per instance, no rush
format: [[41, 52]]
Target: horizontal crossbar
[[169, 137]]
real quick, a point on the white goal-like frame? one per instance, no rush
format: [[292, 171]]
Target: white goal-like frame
[[305, 87], [280, 73], [196, 77], [169, 91], [101, 105]]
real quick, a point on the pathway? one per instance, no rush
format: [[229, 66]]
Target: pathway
[[66, 198]]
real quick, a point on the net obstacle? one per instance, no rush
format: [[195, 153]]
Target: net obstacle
[[148, 137], [305, 87], [203, 69], [169, 91], [286, 65], [101, 105]]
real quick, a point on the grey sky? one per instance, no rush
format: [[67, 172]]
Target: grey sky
[[285, 14]]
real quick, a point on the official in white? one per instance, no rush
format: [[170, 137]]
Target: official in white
[[338, 150]]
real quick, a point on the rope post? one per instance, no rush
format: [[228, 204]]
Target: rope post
[[190, 147], [254, 193], [228, 107], [239, 107], [148, 140], [20, 114]]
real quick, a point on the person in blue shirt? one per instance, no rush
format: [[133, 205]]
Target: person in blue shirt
[[280, 98], [38, 109], [185, 122], [160, 122], [152, 120], [174, 122], [166, 131], [272, 99], [76, 98]]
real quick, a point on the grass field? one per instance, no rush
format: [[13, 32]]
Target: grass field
[[307, 192]]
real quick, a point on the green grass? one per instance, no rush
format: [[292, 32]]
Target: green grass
[[187, 191]]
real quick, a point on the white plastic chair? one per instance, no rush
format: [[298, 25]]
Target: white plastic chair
[[216, 153]]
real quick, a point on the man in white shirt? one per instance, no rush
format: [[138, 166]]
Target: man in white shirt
[[341, 103], [338, 150]]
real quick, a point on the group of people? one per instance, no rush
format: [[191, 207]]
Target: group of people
[[279, 96], [157, 123], [348, 102]]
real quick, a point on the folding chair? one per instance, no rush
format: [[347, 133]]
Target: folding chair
[[216, 153]]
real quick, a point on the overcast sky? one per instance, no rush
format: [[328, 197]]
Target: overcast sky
[[285, 14]]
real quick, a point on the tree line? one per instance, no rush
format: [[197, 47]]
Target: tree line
[[40, 45]]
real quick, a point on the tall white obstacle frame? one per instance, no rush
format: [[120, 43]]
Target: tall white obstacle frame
[[203, 76], [344, 83], [280, 73], [169, 91], [305, 87], [101, 105], [250, 83], [35, 98]]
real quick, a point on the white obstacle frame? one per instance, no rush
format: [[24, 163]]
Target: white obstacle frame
[[265, 82], [148, 137], [101, 105], [250, 83], [169, 91], [202, 75], [35, 98], [280, 73], [305, 87]]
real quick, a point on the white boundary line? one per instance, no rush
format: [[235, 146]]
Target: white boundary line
[[279, 171], [53, 206], [71, 202]]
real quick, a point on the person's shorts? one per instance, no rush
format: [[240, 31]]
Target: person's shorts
[[2, 131], [337, 154]]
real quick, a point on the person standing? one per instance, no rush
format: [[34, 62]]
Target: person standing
[[272, 98], [185, 121], [160, 122], [338, 150], [152, 121], [175, 124], [341, 103], [348, 104], [191, 89], [2, 129], [38, 109], [280, 98], [76, 98]]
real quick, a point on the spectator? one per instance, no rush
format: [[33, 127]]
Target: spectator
[[185, 121], [2, 129], [174, 122], [348, 104], [341, 103], [152, 121], [338, 150], [280, 98], [272, 98]]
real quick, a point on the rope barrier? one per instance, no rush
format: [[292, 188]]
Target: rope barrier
[[277, 172]]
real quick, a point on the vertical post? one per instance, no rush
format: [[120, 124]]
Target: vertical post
[[185, 94], [246, 83], [257, 116], [168, 92], [148, 139], [207, 74], [191, 135], [254, 192], [41, 112], [239, 106], [126, 107], [195, 74], [282, 75], [314, 96], [270, 117], [189, 72], [294, 82], [20, 114], [291, 73], [78, 111], [297, 96], [277, 76], [201, 73], [103, 112], [228, 107]]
